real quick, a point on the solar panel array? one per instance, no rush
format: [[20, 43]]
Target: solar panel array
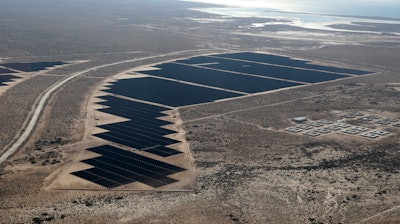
[[221, 79], [8, 68], [32, 66], [5, 71], [167, 92], [186, 82], [208, 78], [287, 61], [116, 167], [266, 70], [7, 78], [143, 131]]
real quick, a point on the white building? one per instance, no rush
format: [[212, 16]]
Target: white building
[[299, 119]]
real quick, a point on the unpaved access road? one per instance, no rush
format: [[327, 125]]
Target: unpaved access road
[[43, 99]]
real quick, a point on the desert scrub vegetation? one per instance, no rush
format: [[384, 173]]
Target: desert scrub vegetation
[[65, 117], [16, 104]]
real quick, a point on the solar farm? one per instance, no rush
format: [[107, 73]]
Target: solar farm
[[196, 112], [6, 69], [142, 150], [31, 66], [140, 147], [7, 78], [117, 167], [247, 73]]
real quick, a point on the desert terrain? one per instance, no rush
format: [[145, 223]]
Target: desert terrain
[[243, 166]]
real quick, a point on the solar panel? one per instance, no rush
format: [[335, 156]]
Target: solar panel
[[163, 151], [135, 157], [4, 71], [116, 167], [287, 61], [133, 126], [167, 92], [135, 140], [221, 79], [143, 131], [7, 78], [32, 66], [100, 180], [287, 73], [119, 102]]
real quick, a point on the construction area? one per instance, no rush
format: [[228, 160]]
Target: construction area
[[369, 126]]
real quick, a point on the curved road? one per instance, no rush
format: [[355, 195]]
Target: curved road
[[42, 102]]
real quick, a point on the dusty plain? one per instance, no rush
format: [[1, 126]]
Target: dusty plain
[[247, 169]]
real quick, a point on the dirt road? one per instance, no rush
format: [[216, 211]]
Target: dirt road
[[27, 131]]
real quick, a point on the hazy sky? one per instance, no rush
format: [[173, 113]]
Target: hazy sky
[[389, 8]]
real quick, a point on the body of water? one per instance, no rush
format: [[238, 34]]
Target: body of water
[[310, 14], [363, 8]]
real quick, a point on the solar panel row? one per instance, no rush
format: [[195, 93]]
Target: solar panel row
[[287, 73], [32, 66], [167, 92], [117, 167], [25, 67], [226, 80], [133, 126], [162, 151], [278, 60], [7, 78], [132, 105], [4, 71], [135, 140], [143, 131]]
